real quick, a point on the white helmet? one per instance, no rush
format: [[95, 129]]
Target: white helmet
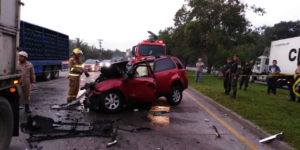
[[23, 53]]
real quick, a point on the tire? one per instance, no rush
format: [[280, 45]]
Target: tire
[[117, 101], [47, 73], [6, 123], [175, 97], [55, 72]]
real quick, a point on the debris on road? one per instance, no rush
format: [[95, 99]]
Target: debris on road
[[216, 131], [207, 120], [278, 136], [36, 126], [135, 110], [68, 106], [159, 113]]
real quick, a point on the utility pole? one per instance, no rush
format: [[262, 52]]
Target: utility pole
[[100, 42]]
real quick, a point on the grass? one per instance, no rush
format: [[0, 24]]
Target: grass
[[273, 115]]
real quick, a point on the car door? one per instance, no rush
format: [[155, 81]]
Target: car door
[[141, 87], [164, 70], [181, 72]]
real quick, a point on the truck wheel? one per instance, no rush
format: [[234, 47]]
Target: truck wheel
[[111, 102], [47, 73], [175, 97], [6, 123], [55, 72]]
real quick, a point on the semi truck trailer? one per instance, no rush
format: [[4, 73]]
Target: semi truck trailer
[[48, 50], [287, 54], [10, 77]]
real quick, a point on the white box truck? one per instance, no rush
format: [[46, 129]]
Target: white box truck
[[287, 54], [10, 90]]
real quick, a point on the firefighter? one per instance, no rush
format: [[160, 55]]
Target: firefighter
[[226, 81], [296, 76], [27, 78], [75, 71], [246, 75], [234, 75]]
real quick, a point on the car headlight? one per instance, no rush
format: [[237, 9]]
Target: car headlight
[[107, 64], [93, 66], [101, 64], [82, 65]]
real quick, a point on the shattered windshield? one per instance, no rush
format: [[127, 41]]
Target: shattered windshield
[[151, 50]]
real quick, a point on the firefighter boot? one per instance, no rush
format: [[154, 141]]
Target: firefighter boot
[[245, 88], [240, 87], [27, 109]]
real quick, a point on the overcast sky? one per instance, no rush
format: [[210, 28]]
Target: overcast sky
[[124, 23]]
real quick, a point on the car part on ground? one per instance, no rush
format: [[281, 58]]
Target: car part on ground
[[67, 105], [36, 126], [216, 131]]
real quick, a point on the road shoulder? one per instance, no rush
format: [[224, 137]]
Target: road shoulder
[[245, 123]]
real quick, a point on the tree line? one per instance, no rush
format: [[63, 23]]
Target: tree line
[[217, 29], [91, 52]]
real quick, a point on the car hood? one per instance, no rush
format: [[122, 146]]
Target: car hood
[[115, 70]]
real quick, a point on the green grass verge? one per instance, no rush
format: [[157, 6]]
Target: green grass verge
[[273, 115]]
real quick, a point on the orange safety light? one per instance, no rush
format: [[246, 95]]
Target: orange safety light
[[16, 82], [12, 90]]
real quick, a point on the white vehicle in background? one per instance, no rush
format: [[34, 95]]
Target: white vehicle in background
[[106, 63], [287, 54]]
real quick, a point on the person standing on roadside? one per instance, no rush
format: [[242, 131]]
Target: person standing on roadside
[[297, 89], [27, 78], [246, 75], [199, 70], [272, 79], [226, 75], [234, 75], [75, 71], [292, 94]]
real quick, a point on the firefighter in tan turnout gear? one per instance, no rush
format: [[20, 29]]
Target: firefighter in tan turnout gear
[[27, 78], [75, 71]]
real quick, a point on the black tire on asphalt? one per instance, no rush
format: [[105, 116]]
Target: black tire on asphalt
[[55, 72], [6, 123], [47, 73], [110, 108], [175, 97]]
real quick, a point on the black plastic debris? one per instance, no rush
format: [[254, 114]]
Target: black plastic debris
[[160, 113], [216, 131]]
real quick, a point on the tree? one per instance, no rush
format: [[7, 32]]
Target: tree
[[216, 24], [152, 36]]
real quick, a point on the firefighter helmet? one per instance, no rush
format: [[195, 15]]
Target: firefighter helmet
[[77, 51], [23, 53]]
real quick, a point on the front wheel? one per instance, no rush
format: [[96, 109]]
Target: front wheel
[[6, 123], [175, 97], [111, 102]]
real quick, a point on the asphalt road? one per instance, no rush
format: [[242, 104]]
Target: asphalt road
[[257, 82], [183, 128]]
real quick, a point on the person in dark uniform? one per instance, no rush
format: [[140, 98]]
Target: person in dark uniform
[[226, 80], [246, 75], [234, 75]]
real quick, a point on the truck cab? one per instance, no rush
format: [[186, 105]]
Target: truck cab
[[261, 65], [148, 48]]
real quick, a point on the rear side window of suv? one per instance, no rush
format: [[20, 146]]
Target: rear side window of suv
[[163, 65], [179, 66]]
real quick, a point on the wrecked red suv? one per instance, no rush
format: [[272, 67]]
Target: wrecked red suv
[[147, 79]]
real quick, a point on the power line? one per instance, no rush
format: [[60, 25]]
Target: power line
[[100, 42]]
